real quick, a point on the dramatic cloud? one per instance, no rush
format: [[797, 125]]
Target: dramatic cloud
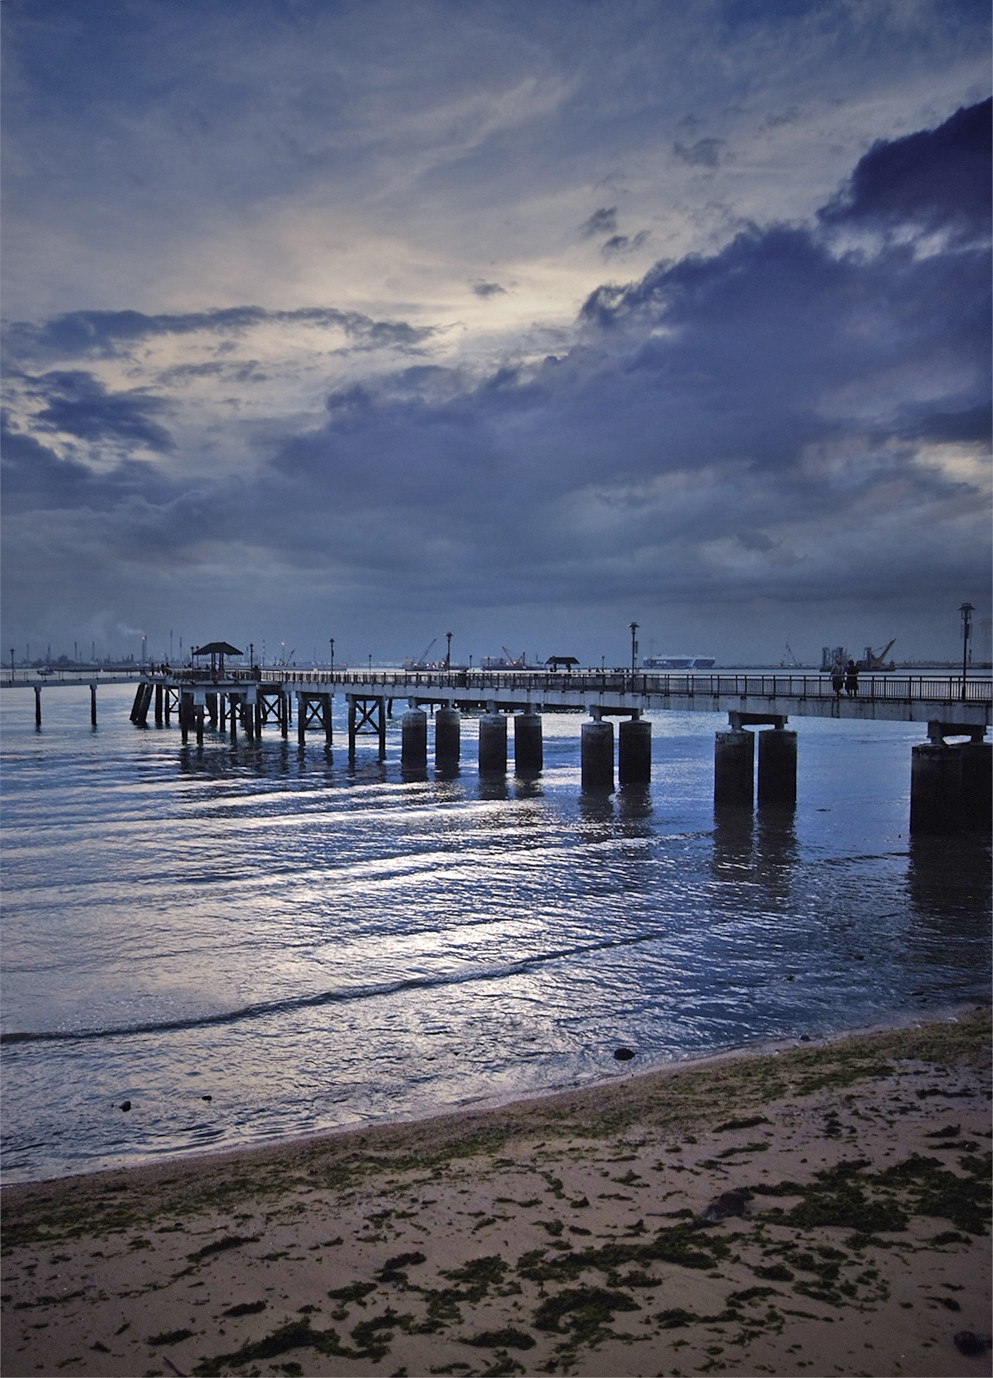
[[429, 406]]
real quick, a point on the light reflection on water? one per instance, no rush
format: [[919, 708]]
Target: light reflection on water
[[311, 943]]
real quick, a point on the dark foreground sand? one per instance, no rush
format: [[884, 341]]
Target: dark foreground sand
[[564, 1235]]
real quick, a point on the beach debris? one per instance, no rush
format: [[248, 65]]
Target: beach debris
[[724, 1206], [969, 1343], [207, 1098], [623, 1054], [125, 1106]]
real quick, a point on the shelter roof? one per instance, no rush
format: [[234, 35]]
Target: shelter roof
[[218, 648]]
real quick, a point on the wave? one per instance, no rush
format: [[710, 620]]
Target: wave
[[267, 1008]]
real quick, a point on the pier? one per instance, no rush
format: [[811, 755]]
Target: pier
[[950, 771]]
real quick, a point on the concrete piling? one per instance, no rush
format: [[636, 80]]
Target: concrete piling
[[935, 788], [734, 768], [414, 739], [977, 786], [634, 752], [492, 744], [528, 748], [596, 750], [777, 767], [447, 737]]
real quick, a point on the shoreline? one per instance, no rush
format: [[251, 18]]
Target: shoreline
[[817, 1208], [761, 1047]]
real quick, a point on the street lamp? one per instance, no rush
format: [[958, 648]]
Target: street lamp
[[331, 643], [251, 655], [448, 655], [634, 646], [966, 610]]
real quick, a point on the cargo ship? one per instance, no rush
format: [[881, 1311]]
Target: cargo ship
[[679, 662]]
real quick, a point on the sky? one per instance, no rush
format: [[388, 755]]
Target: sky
[[376, 320]]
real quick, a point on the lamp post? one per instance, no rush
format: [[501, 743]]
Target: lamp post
[[331, 644], [634, 646], [448, 653], [251, 655], [966, 610]]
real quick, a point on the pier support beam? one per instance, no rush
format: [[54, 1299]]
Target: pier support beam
[[314, 711], [447, 737], [366, 717], [734, 768], [158, 705], [37, 705], [185, 715], [492, 744], [777, 767], [529, 755], [634, 752], [596, 749], [93, 704], [414, 739]]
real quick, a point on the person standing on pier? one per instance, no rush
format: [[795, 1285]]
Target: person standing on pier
[[852, 680], [837, 678]]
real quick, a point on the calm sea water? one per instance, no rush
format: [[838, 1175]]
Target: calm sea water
[[255, 942]]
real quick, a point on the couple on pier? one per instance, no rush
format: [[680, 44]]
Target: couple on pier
[[847, 679]]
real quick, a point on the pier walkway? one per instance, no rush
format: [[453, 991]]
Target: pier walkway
[[950, 780]]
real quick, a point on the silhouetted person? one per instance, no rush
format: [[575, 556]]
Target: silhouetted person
[[837, 679], [852, 680]]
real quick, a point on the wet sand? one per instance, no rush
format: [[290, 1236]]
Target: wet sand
[[848, 1188]]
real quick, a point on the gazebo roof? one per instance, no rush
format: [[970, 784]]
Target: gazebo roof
[[217, 648]]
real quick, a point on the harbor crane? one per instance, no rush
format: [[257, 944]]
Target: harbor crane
[[421, 663], [873, 661]]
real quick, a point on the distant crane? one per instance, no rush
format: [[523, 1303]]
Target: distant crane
[[421, 662], [789, 660], [515, 663], [873, 661]]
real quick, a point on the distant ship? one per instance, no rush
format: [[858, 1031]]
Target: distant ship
[[679, 662]]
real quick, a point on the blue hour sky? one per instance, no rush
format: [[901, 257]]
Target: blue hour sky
[[378, 319]]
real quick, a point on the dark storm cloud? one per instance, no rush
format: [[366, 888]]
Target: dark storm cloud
[[111, 332], [937, 179], [489, 289], [79, 405], [603, 221], [751, 424], [704, 153], [973, 424], [777, 383], [620, 244], [35, 478]]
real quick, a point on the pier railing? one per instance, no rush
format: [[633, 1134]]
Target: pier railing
[[917, 688]]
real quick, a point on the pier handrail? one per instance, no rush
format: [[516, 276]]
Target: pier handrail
[[918, 688]]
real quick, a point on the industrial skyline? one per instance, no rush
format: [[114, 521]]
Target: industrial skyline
[[384, 320]]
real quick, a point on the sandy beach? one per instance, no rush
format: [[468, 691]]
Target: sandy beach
[[818, 1209]]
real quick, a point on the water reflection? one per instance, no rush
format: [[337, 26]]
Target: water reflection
[[949, 881], [734, 830], [758, 847], [776, 849]]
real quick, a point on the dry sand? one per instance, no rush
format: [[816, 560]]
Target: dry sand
[[563, 1235]]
